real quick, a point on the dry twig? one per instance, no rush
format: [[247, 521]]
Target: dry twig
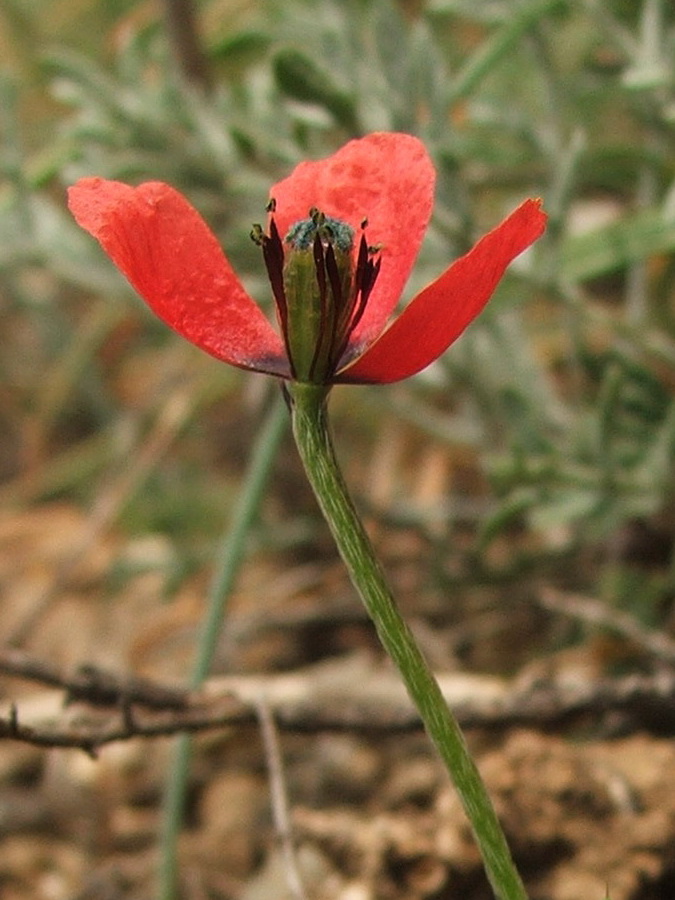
[[278, 794], [347, 695]]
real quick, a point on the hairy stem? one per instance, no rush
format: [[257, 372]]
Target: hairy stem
[[310, 429]]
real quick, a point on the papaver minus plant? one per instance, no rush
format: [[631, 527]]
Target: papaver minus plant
[[339, 244]]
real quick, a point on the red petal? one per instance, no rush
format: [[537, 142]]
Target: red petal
[[171, 257], [441, 312], [385, 178]]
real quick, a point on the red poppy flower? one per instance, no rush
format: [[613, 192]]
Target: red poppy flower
[[342, 236]]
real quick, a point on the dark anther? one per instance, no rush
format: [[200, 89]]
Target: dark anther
[[372, 271], [319, 265], [324, 330], [273, 255], [364, 279], [334, 277], [361, 262], [271, 206]]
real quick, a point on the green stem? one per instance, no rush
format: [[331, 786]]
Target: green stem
[[310, 429], [231, 555]]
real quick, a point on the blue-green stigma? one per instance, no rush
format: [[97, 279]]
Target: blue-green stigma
[[302, 234]]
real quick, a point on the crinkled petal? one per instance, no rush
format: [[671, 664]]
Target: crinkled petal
[[172, 258], [385, 178], [441, 312]]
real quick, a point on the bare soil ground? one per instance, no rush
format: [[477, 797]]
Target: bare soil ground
[[588, 804]]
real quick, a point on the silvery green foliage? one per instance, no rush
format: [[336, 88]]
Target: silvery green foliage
[[573, 101]]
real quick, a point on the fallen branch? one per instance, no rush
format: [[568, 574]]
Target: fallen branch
[[350, 694], [91, 684]]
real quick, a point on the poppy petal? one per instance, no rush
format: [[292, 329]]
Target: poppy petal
[[385, 178], [171, 257], [441, 312]]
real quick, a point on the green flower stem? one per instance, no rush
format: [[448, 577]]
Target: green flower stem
[[310, 429], [231, 556]]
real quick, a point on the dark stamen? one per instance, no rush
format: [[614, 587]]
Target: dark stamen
[[361, 263], [342, 305], [317, 252], [334, 277], [370, 277], [364, 280], [273, 256], [320, 267]]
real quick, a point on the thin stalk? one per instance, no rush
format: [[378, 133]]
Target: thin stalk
[[310, 429], [231, 555]]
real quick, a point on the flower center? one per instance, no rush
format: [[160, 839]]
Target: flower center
[[321, 288], [330, 231]]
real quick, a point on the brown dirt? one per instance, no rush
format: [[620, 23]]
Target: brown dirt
[[587, 816]]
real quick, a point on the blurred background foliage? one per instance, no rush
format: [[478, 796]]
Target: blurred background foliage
[[553, 417]]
